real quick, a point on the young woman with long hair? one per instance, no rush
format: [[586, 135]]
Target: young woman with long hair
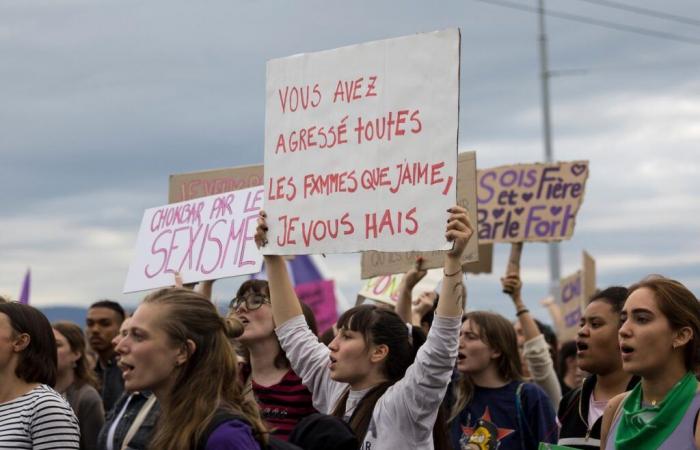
[[660, 342], [178, 347], [494, 408], [279, 392], [367, 375], [77, 382], [33, 415]]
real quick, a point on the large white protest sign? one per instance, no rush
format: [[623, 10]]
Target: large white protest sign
[[203, 239], [361, 146]]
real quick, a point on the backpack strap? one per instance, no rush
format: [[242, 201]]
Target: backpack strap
[[523, 425], [140, 417]]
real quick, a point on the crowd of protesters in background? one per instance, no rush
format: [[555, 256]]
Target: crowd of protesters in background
[[427, 374]]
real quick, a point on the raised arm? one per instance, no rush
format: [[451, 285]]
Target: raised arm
[[513, 287], [408, 282], [535, 349], [453, 294], [286, 303]]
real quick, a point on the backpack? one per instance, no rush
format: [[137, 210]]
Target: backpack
[[222, 416]]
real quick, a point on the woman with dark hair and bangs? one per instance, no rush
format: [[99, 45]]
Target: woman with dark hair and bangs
[[367, 375], [34, 416], [494, 408], [278, 391], [660, 343]]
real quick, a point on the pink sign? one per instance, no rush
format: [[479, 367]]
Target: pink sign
[[320, 297]]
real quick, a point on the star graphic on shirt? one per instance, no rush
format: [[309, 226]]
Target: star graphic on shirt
[[486, 433]]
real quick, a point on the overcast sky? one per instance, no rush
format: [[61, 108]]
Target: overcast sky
[[101, 101]]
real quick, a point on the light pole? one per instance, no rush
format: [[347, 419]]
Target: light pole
[[553, 247]]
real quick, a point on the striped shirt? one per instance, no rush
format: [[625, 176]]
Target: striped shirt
[[40, 419], [284, 404]]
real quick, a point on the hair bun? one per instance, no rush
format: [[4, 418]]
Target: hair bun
[[233, 327]]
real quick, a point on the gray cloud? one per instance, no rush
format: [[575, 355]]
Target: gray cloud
[[102, 101]]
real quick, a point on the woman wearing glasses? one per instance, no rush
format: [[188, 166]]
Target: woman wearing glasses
[[282, 398]]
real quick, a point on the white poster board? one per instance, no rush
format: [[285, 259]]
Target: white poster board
[[361, 146], [203, 239]]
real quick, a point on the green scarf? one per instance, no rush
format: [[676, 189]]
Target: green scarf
[[648, 426]]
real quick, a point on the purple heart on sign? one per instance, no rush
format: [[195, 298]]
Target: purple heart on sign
[[555, 210], [519, 211], [527, 196], [498, 212], [578, 169]]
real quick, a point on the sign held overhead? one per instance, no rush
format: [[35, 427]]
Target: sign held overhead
[[361, 146]]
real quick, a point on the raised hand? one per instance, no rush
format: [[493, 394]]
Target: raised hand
[[459, 230], [261, 230]]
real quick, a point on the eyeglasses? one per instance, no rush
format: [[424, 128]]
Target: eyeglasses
[[252, 302]]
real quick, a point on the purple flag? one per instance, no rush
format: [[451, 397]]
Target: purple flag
[[24, 295]]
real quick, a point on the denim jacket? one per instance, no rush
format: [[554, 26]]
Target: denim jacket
[[142, 437]]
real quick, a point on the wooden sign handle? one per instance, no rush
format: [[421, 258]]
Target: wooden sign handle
[[516, 249]]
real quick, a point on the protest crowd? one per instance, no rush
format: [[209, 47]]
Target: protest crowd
[[425, 374], [426, 371]]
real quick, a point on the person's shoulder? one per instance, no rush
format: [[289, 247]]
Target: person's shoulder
[[88, 391], [233, 434], [532, 392], [44, 394]]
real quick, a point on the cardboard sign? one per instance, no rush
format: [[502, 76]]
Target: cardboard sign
[[320, 297], [376, 264], [383, 289], [384, 263], [186, 186], [576, 289], [485, 262], [361, 146], [530, 202], [203, 239]]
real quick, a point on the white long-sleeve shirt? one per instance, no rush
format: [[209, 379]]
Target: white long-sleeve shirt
[[404, 416], [539, 361]]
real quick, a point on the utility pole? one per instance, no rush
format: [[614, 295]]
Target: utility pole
[[554, 262]]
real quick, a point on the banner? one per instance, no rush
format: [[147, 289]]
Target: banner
[[361, 146], [203, 239], [320, 297], [576, 289], [530, 202], [186, 186], [383, 263]]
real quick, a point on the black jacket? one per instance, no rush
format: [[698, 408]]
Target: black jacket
[[575, 430]]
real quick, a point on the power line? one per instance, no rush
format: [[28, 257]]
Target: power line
[[597, 22], [645, 11]]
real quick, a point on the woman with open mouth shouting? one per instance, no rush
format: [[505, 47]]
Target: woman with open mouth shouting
[[278, 391], [660, 342], [178, 347], [367, 374]]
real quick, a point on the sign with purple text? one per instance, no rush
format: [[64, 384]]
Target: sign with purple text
[[575, 291], [320, 297], [530, 202], [361, 146], [383, 263], [203, 239], [186, 186]]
